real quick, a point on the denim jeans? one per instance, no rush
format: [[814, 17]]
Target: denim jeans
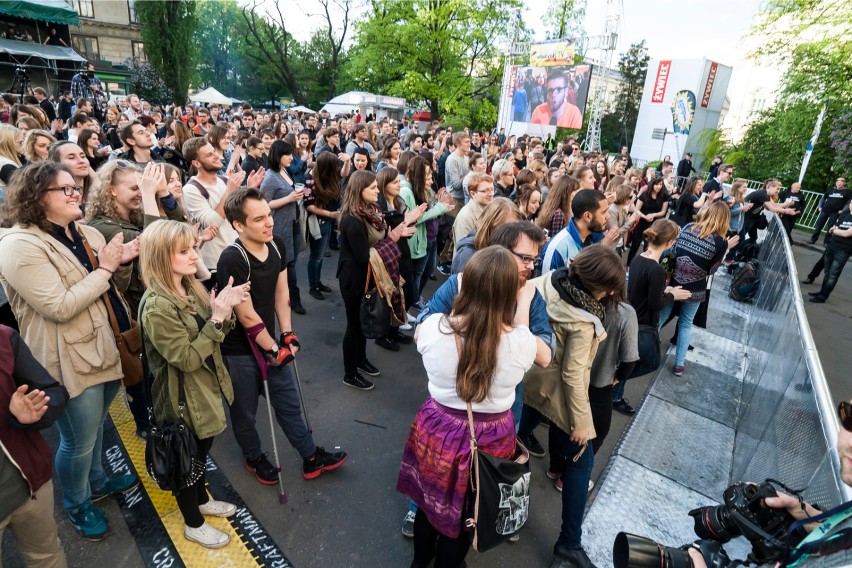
[[518, 405], [835, 259], [649, 360], [687, 314], [283, 396], [81, 435], [424, 267], [318, 248], [575, 488]]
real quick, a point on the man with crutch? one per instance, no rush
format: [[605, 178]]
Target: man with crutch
[[257, 363]]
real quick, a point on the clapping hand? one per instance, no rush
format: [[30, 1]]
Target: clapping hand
[[256, 177], [130, 251], [445, 198], [229, 297], [413, 215], [28, 408], [110, 256], [235, 180], [611, 236], [733, 241]]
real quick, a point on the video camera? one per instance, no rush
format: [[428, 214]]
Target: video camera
[[743, 513], [21, 72]]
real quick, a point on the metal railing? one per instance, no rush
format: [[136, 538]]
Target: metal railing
[[787, 426]]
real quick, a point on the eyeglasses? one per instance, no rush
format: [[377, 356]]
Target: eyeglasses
[[526, 259], [844, 412], [68, 190], [555, 90]]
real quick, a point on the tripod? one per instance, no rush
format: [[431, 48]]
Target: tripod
[[21, 82]]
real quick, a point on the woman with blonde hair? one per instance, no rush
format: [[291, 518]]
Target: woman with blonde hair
[[36, 145], [10, 149], [72, 157], [499, 212], [539, 168], [25, 123], [474, 358], [698, 251], [183, 328], [556, 210]]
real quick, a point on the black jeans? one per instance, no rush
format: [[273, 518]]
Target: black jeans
[[190, 498], [636, 239], [291, 264], [600, 399], [429, 543], [825, 218], [354, 342]]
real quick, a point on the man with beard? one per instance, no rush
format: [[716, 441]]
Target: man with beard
[[832, 526], [557, 111], [590, 209], [204, 198]]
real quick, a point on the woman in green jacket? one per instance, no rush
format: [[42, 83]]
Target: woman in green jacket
[[182, 330], [417, 189]]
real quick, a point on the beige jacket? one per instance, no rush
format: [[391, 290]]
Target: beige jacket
[[466, 220], [57, 303], [560, 391]]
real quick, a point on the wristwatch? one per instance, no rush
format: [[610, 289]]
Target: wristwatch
[[216, 324]]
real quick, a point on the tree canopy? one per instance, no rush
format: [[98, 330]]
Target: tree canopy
[[168, 29]]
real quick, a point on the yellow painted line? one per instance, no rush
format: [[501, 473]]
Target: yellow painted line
[[234, 554]]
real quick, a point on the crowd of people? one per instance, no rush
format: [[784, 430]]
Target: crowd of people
[[192, 221]]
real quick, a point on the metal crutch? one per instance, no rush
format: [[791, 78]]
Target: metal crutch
[[301, 398]]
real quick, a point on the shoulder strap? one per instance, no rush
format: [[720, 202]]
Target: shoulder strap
[[203, 190], [146, 373], [243, 252], [113, 321]]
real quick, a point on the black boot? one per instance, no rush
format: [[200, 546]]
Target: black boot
[[296, 301]]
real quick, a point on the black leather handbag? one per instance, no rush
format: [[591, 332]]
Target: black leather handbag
[[171, 449], [499, 498], [375, 312]]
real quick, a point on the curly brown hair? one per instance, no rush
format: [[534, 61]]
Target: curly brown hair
[[24, 200], [101, 201]]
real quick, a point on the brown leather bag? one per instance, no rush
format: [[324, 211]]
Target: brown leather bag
[[129, 342]]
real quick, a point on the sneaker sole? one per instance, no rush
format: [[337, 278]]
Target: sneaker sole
[[359, 388], [408, 534], [97, 538], [205, 545], [320, 471], [221, 515], [256, 476], [101, 497]]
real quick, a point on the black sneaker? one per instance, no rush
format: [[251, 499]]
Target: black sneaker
[[322, 461], [316, 293], [263, 471], [324, 288], [401, 338], [445, 268], [624, 408], [533, 445], [388, 343], [356, 381], [368, 368], [296, 306]]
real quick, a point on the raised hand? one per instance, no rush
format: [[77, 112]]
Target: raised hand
[[733, 241], [28, 408], [235, 180], [130, 251], [223, 302], [110, 255], [611, 236], [412, 215], [256, 177]]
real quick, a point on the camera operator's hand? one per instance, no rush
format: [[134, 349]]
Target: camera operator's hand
[[794, 507], [697, 559]]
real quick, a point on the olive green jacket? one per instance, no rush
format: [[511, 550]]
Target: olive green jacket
[[174, 345]]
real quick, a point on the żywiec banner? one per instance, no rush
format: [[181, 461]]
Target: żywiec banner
[[708, 86], [663, 70]]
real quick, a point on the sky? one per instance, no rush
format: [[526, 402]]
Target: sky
[[715, 29]]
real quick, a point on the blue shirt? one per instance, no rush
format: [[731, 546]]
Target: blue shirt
[[564, 246], [442, 303]]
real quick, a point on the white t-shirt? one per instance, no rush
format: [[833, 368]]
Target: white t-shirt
[[437, 345], [202, 211]]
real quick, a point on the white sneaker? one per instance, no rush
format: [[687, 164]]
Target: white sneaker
[[591, 485], [405, 327], [217, 509], [206, 535], [411, 318]]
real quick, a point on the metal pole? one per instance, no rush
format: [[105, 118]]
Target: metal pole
[[282, 496], [301, 398]]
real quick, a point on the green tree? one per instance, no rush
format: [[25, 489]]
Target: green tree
[[147, 83], [565, 19], [440, 52], [168, 29], [619, 123], [220, 37]]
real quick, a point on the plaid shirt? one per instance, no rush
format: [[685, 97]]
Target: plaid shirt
[[81, 87]]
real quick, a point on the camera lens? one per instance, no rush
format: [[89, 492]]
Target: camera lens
[[632, 551], [714, 523]]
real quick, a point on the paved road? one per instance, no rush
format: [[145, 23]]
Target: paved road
[[351, 517]]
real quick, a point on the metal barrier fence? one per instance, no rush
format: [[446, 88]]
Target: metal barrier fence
[[787, 426]]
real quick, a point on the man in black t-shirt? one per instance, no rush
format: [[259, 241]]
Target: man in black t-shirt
[[250, 350], [797, 202], [760, 200], [837, 252], [830, 206]]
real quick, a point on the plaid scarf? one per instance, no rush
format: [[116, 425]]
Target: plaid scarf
[[571, 291], [390, 254], [372, 214]]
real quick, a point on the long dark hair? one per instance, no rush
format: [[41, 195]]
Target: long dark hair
[[416, 176], [484, 306], [326, 178], [385, 176], [278, 149], [352, 201]]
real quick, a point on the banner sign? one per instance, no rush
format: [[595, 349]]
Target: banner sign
[[549, 96], [663, 70], [708, 86], [552, 53], [812, 142]]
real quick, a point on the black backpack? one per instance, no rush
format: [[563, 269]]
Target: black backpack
[[746, 283]]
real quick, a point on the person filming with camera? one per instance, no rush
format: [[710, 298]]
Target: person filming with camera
[[828, 541]]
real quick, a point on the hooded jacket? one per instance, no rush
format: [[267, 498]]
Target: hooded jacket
[[560, 391]]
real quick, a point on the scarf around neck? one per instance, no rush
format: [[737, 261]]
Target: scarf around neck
[[372, 214], [571, 291]]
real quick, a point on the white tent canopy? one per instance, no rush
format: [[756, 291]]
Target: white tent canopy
[[300, 108], [212, 96]]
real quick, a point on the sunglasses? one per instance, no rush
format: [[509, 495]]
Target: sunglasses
[[844, 412]]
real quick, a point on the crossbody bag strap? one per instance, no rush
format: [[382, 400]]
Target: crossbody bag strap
[[146, 373], [113, 321]]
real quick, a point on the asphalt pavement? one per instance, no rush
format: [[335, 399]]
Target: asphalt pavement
[[352, 516]]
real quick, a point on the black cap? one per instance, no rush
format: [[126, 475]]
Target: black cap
[[689, 154]]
